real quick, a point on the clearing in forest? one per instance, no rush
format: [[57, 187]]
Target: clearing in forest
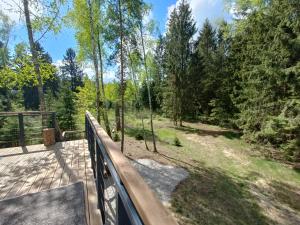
[[229, 181]]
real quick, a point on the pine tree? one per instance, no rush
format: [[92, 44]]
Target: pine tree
[[66, 110], [181, 29], [265, 53], [206, 46], [71, 71]]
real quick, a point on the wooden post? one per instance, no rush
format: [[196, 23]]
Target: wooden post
[[21, 130], [49, 136]]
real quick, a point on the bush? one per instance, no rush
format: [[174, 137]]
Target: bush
[[177, 142], [139, 136], [115, 137], [282, 131]]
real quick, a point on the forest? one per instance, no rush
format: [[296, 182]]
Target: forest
[[243, 74], [218, 100]]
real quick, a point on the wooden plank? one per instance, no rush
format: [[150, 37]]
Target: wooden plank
[[67, 171], [40, 169], [19, 181], [59, 174], [150, 209], [12, 174], [94, 212], [38, 179]]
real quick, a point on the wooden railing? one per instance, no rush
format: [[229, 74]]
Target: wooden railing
[[136, 203], [22, 133]]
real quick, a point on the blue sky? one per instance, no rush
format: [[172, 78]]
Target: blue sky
[[57, 44]]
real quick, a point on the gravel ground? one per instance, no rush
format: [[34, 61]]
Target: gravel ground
[[161, 178]]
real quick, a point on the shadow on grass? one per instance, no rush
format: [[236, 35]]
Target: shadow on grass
[[215, 133], [286, 194], [210, 196]]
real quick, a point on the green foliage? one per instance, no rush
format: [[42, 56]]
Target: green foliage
[[70, 70], [139, 135], [21, 71], [115, 137], [177, 142], [86, 97], [266, 69], [181, 28], [66, 109], [283, 130]]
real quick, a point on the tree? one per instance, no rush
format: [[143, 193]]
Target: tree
[[86, 96], [85, 17], [5, 30], [206, 47], [66, 109], [71, 70], [94, 55], [181, 29], [265, 57], [34, 55], [30, 90]]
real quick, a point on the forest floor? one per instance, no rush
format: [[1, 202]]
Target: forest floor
[[229, 181]]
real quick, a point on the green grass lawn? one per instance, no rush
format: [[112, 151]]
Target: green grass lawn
[[229, 183]]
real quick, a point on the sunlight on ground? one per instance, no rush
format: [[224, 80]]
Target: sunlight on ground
[[229, 183]]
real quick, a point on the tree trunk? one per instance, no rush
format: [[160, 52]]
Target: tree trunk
[[105, 117], [148, 88], [34, 55], [105, 109], [117, 115], [122, 76], [137, 100], [95, 60]]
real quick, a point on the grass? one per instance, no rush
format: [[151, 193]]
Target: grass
[[229, 182]]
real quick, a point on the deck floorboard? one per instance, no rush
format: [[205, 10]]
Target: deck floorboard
[[37, 168]]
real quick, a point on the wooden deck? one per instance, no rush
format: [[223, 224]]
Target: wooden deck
[[36, 168]]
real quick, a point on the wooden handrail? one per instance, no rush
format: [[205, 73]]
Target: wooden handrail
[[149, 208], [26, 113]]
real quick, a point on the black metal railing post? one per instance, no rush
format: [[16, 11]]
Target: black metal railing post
[[91, 144], [100, 181], [21, 130], [126, 213], [122, 217]]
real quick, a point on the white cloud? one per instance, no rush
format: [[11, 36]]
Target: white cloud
[[201, 9], [88, 69], [109, 76], [58, 63], [14, 9]]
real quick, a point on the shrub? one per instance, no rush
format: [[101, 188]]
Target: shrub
[[115, 137], [177, 142], [139, 136]]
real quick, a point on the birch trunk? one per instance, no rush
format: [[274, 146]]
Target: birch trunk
[[34, 55]]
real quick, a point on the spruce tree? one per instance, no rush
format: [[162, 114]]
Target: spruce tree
[[181, 29], [71, 71]]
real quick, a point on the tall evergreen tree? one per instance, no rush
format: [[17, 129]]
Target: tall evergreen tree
[[66, 110], [206, 47], [181, 29], [266, 56], [71, 71]]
